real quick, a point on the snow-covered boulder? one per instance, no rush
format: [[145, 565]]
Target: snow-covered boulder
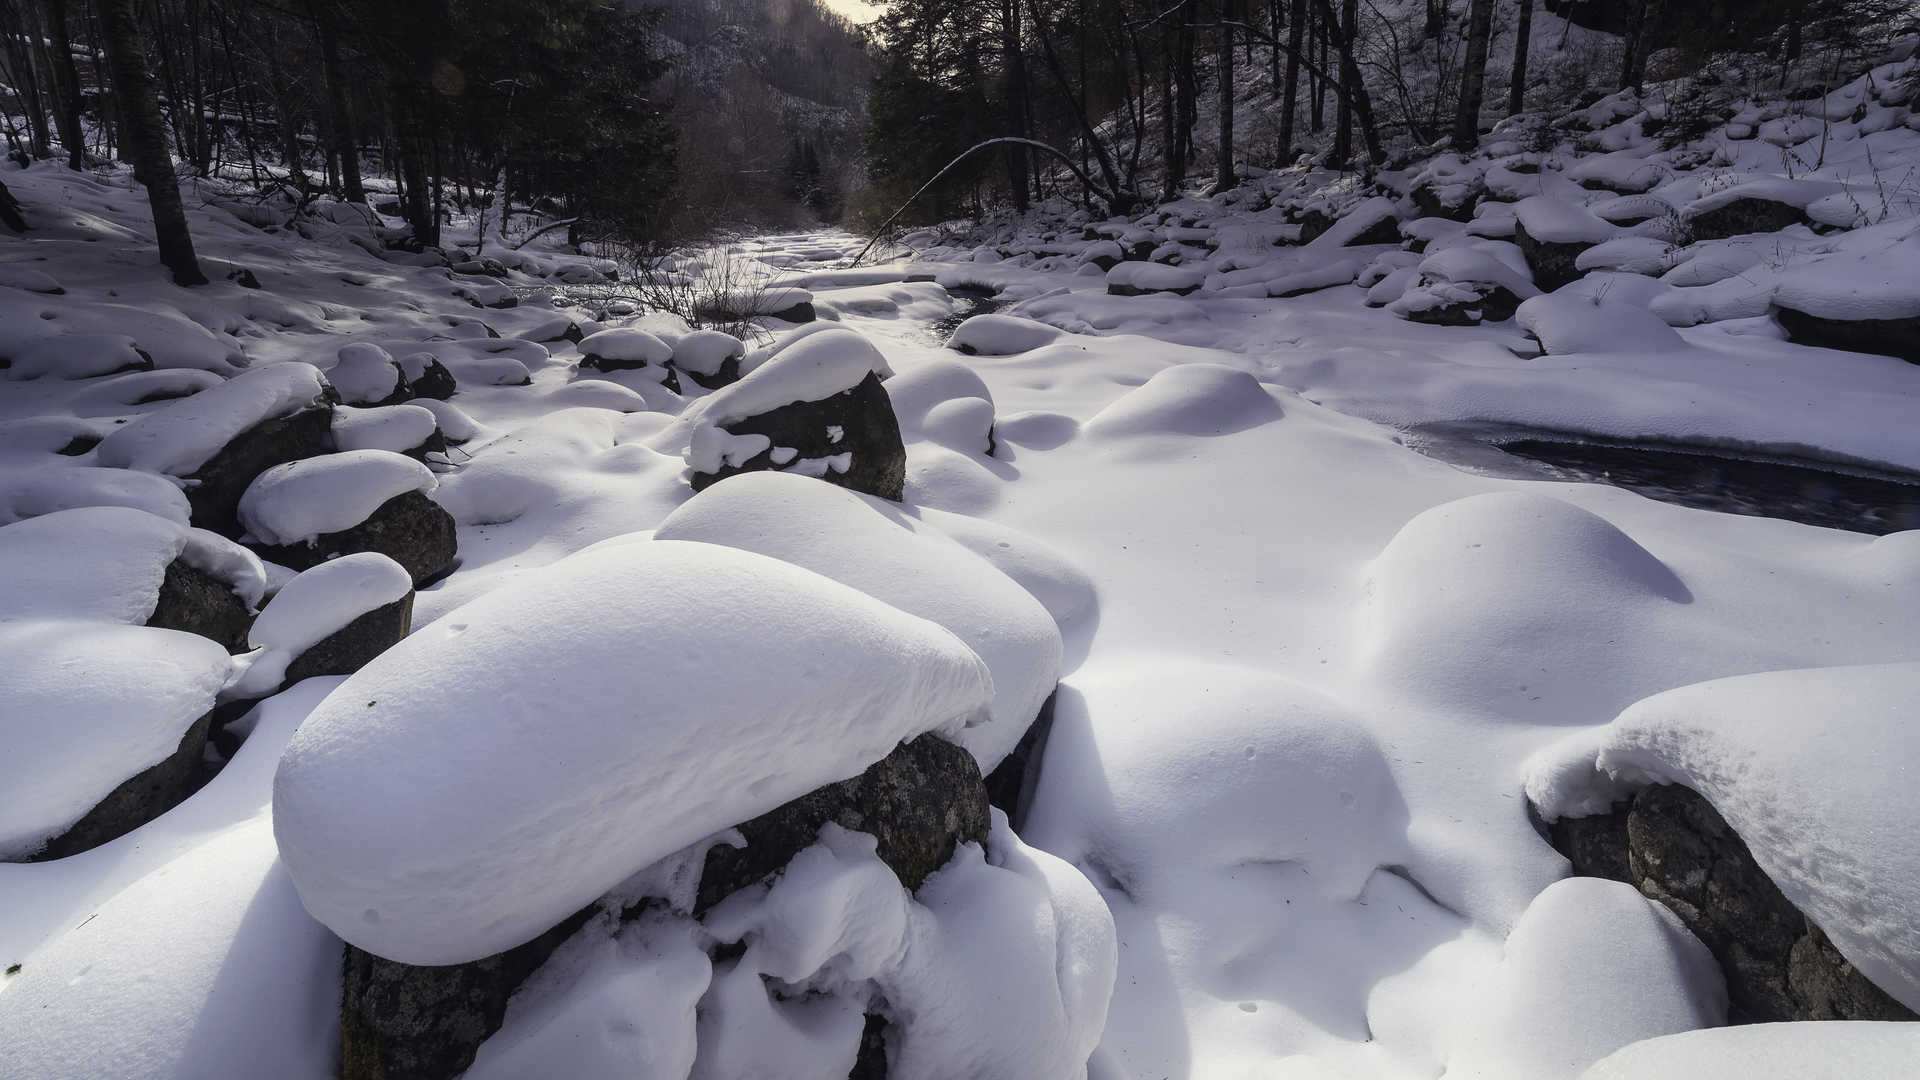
[[1188, 399], [1463, 286], [103, 727], [426, 376], [222, 437], [1806, 1051], [329, 620], [305, 512], [1000, 335], [1763, 205], [1590, 967], [816, 407], [702, 686], [128, 566], [1566, 322], [865, 542], [366, 374], [78, 356], [1808, 769], [1864, 299], [626, 348], [1552, 233], [400, 429], [785, 303], [31, 490], [711, 358], [1141, 278]]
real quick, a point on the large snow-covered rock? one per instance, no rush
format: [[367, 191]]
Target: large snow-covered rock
[[113, 562], [366, 374], [1000, 335], [30, 491], [329, 620], [298, 501], [866, 542], [1811, 769], [90, 705], [1805, 1051], [501, 768]]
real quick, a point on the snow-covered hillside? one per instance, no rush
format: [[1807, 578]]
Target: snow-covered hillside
[[376, 605]]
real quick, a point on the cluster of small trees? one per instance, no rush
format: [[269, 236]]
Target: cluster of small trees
[[487, 102], [1119, 83]]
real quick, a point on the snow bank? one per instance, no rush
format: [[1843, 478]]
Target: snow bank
[[507, 764], [1590, 967], [1813, 1050], [315, 604], [297, 501], [1876, 283], [916, 391], [181, 437], [107, 562], [1000, 335], [1812, 768], [869, 544], [1189, 399], [206, 967], [31, 491], [1147, 277], [89, 704]]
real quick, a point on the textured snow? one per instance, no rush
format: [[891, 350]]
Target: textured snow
[[107, 562], [1780, 755], [702, 686], [89, 704], [181, 437], [874, 546], [297, 501]]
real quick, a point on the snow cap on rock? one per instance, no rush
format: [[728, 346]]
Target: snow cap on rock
[[181, 437]]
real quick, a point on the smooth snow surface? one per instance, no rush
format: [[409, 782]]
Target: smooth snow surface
[[298, 501], [1829, 1050], [626, 345], [872, 545], [704, 352], [701, 686], [1000, 335], [396, 428], [1778, 755], [181, 437], [364, 374], [107, 562], [315, 604], [31, 491]]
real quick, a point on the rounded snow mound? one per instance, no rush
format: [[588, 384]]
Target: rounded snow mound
[[868, 543], [916, 391], [88, 705], [364, 374], [1813, 768], [626, 345], [77, 356], [297, 501], [1162, 773], [504, 766], [1809, 1050], [315, 604], [31, 491], [183, 436], [705, 352], [107, 562], [389, 427], [1189, 399], [1000, 335], [1591, 966], [1567, 322], [1515, 603]]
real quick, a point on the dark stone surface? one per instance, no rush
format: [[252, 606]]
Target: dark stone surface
[[1121, 288], [871, 434], [1678, 850], [214, 490], [1887, 337], [1430, 205], [411, 529], [871, 1062], [921, 802], [1011, 784], [728, 374], [1743, 216], [434, 381], [1384, 231], [349, 648], [402, 1022], [1498, 305], [199, 603], [139, 799], [798, 313], [604, 363], [1552, 264]]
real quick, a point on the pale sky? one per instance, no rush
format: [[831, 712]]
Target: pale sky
[[858, 10]]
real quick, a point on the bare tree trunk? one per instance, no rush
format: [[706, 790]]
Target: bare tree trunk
[[1522, 44], [1169, 121], [1473, 76], [345, 142], [1343, 117], [1633, 60], [1353, 88], [1322, 37], [1289, 105], [133, 84], [1016, 69], [1187, 89], [66, 82], [10, 211], [1223, 175]]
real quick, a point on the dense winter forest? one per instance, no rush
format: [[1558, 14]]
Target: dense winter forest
[[960, 539]]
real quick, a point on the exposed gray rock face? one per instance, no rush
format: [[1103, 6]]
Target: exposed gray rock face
[[1552, 263], [349, 648], [199, 603], [1672, 845], [410, 528], [214, 490], [139, 799], [1743, 216], [804, 431], [1887, 337]]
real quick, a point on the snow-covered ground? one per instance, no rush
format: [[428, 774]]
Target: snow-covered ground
[[1308, 675]]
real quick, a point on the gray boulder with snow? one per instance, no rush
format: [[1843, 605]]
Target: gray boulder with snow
[[306, 512]]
